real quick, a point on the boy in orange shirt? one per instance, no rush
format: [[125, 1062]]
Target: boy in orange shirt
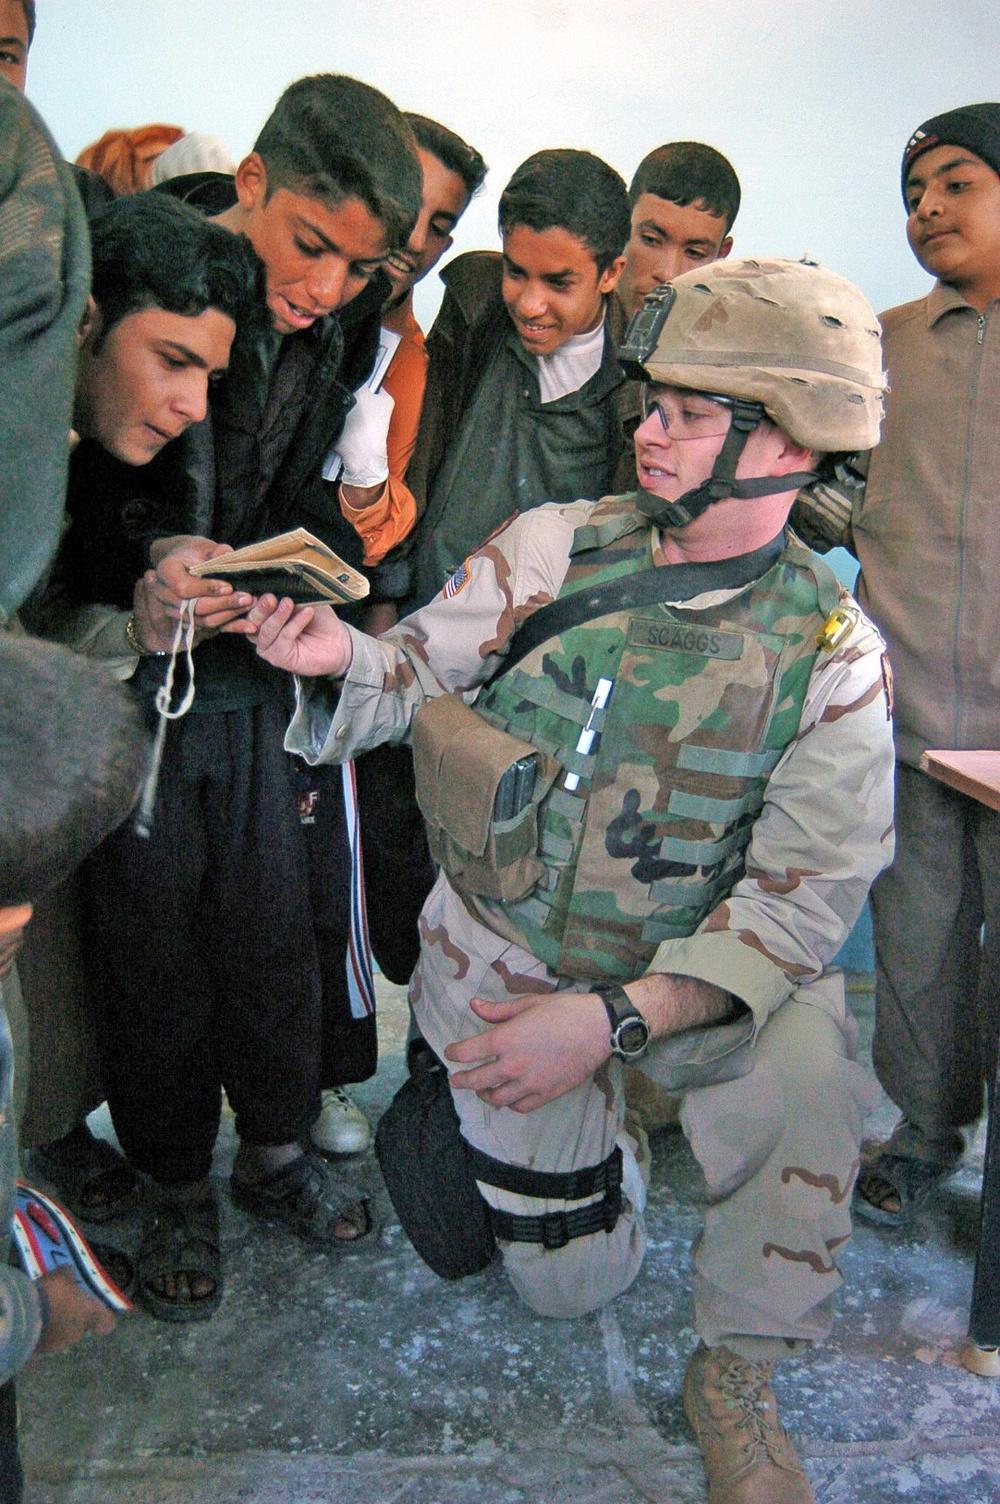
[[380, 432]]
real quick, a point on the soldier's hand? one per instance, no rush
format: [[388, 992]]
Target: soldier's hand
[[538, 1048], [306, 640]]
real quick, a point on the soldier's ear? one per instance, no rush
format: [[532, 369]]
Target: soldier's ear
[[793, 457]]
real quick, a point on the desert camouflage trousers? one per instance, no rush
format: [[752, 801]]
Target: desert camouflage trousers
[[776, 1130]]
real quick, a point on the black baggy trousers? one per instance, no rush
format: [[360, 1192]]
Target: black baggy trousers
[[202, 948]]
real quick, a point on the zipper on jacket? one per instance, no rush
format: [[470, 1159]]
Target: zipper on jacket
[[959, 716]]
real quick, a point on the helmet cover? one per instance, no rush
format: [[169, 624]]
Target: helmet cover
[[799, 339]]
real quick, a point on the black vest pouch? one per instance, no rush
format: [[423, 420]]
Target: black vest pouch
[[479, 790]]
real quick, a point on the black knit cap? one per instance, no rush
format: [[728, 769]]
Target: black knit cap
[[976, 127]]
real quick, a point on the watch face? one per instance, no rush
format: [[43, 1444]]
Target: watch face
[[633, 1036]]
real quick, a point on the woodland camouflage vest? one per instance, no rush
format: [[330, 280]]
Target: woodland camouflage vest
[[703, 706]]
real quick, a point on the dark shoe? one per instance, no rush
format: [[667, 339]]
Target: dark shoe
[[733, 1413], [310, 1199], [180, 1239], [891, 1188], [92, 1178]]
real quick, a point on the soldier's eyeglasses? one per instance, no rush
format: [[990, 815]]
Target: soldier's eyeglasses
[[686, 417]]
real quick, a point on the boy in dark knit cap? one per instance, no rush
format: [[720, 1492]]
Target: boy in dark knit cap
[[929, 548]]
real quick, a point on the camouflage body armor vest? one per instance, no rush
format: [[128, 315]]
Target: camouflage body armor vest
[[703, 706]]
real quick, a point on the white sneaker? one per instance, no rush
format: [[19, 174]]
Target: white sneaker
[[341, 1127]]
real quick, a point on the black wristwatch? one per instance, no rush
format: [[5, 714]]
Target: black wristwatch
[[629, 1030]]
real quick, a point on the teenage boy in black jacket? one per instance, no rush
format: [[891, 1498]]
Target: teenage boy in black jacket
[[203, 948]]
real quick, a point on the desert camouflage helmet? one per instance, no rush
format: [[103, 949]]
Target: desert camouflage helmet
[[793, 336]]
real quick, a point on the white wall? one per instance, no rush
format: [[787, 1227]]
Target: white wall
[[812, 100]]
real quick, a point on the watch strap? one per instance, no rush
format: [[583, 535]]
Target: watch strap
[[615, 999]]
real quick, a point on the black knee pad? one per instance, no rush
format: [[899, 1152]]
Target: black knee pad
[[426, 1169], [431, 1172]]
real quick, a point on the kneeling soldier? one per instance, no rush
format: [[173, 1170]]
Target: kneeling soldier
[[656, 827]]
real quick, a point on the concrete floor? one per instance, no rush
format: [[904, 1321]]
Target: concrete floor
[[362, 1377]]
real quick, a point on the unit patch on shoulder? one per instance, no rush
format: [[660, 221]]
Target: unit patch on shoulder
[[458, 581]]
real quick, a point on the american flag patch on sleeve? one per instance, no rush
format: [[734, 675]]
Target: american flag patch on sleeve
[[458, 581]]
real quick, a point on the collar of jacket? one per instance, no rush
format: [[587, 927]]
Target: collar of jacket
[[475, 280], [613, 517], [944, 299]]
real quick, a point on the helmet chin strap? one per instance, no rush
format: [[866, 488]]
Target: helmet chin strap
[[747, 416]]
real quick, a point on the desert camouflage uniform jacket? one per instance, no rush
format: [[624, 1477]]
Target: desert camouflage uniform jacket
[[824, 827]]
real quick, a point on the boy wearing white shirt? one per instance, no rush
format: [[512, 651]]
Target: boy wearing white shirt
[[514, 414]]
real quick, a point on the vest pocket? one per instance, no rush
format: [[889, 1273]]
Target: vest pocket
[[479, 790]]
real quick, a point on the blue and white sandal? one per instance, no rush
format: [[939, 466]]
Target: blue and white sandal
[[45, 1238]]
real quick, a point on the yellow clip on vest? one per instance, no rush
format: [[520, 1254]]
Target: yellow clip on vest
[[841, 621]]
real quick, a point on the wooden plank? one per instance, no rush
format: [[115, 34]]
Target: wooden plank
[[974, 773]]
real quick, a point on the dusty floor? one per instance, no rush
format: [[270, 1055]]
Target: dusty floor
[[362, 1377]]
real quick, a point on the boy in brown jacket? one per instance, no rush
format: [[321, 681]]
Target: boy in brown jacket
[[926, 536]]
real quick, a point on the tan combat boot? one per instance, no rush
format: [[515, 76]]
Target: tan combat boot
[[748, 1457]]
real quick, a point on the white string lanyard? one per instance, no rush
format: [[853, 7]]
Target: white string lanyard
[[183, 642]]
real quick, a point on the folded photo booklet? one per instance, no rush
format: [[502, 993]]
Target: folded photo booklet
[[44, 1237], [293, 564]]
